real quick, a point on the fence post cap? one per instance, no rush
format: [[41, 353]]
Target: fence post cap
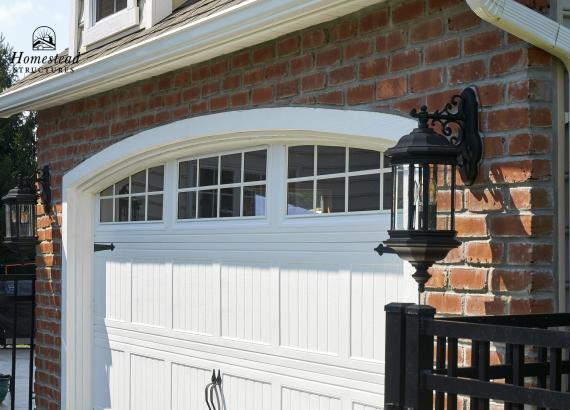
[[396, 307], [420, 310]]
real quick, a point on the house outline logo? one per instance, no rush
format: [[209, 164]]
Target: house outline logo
[[43, 39]]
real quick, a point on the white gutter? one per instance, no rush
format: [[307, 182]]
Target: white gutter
[[246, 24], [553, 37]]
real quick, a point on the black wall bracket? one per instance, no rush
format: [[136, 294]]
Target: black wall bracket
[[98, 247]]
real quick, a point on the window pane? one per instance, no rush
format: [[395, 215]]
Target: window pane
[[155, 207], [107, 191], [364, 193], [330, 160], [387, 191], [121, 209], [254, 165], [209, 171], [231, 169], [121, 4], [138, 182], [187, 171], [122, 187], [229, 202], [105, 8], [363, 159], [301, 161], [300, 198], [106, 210], [137, 208], [156, 179], [208, 203], [186, 205], [254, 201], [330, 196]]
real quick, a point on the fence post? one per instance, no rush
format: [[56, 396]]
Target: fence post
[[395, 358], [419, 357]]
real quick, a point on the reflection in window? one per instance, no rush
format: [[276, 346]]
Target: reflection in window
[[229, 185], [137, 198], [332, 179], [107, 7]]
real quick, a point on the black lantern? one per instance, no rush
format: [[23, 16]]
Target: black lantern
[[424, 165], [20, 213]]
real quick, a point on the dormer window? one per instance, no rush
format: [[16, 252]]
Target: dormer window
[[107, 7]]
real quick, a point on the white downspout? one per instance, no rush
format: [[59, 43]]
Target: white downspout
[[553, 37]]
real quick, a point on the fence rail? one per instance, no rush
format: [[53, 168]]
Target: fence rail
[[423, 370]]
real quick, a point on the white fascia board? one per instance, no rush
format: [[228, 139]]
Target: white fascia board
[[232, 29], [526, 24]]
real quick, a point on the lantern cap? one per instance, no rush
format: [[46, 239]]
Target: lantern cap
[[20, 194]]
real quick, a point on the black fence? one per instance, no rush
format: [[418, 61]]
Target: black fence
[[423, 370], [17, 307]]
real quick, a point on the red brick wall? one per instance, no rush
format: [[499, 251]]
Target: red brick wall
[[391, 58]]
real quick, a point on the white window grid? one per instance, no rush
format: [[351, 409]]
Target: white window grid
[[219, 186], [383, 170], [130, 195]]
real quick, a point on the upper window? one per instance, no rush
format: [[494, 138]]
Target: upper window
[[107, 7], [137, 198], [223, 186], [329, 179]]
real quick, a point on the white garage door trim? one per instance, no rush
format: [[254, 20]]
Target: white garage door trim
[[209, 133]]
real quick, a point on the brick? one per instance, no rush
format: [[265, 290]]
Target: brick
[[507, 62], [527, 198], [525, 144], [391, 88], [391, 41], [519, 171], [288, 46], [484, 252], [521, 225], [241, 60], [482, 42], [407, 105], [541, 306], [287, 89], [541, 116], [219, 103], [331, 98], [435, 6], [360, 94], [444, 302], [426, 80], [508, 119], [328, 57], [252, 77], [239, 99], [313, 39], [538, 57], [442, 51], [439, 99], [404, 60], [464, 20], [374, 21], [301, 64], [191, 94], [530, 253], [437, 278], [276, 70], [313, 82], [231, 82], [468, 278], [262, 95], [476, 305], [491, 94], [408, 11], [470, 226], [426, 31], [467, 72], [261, 55], [542, 281], [484, 200], [509, 280], [494, 147], [358, 49], [342, 75], [373, 68], [200, 73], [345, 30]]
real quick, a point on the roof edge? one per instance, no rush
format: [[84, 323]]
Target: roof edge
[[232, 29]]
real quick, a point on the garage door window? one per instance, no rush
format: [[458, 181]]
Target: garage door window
[[230, 185], [137, 198], [331, 179]]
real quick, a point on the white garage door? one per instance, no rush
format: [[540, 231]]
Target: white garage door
[[257, 262]]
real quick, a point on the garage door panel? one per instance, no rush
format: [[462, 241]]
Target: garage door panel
[[359, 406], [148, 385], [151, 300], [194, 291], [188, 384], [113, 367], [292, 399], [246, 393], [112, 283]]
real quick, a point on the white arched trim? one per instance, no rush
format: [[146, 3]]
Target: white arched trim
[[208, 133]]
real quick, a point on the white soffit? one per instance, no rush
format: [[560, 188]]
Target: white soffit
[[232, 29]]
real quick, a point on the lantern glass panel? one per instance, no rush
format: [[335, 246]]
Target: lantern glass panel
[[7, 215], [423, 197], [26, 220]]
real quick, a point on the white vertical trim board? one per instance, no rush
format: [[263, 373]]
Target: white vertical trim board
[[192, 137]]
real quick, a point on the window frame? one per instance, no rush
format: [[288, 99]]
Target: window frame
[[383, 170], [95, 31], [218, 187], [146, 195]]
